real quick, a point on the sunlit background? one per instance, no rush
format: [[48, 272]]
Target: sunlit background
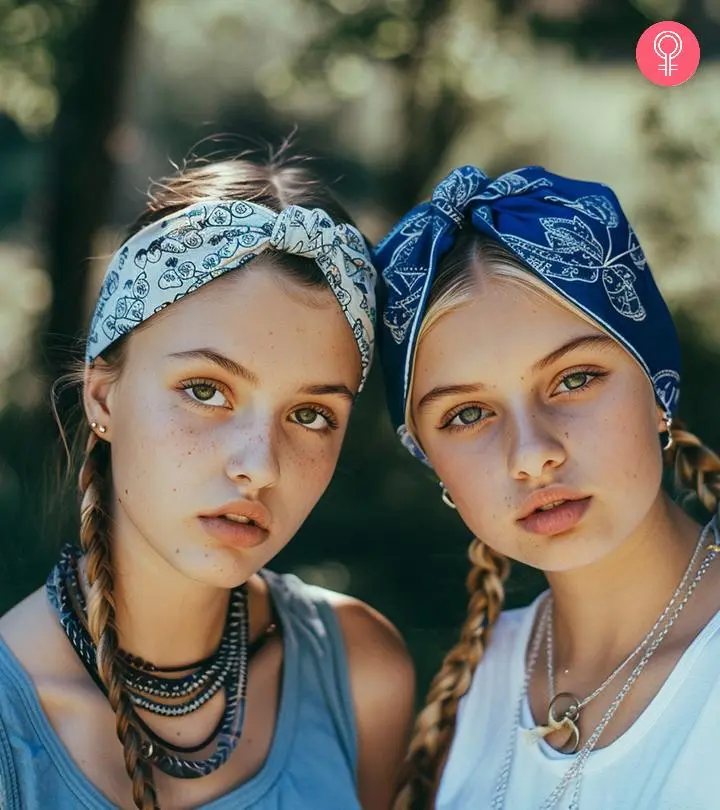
[[99, 96]]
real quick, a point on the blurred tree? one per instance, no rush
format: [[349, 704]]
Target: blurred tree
[[602, 29], [81, 162], [62, 64], [408, 36]]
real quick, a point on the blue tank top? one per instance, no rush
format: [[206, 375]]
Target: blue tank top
[[311, 764]]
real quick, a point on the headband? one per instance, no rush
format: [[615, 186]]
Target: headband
[[572, 235], [185, 250]]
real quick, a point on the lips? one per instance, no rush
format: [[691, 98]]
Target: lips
[[243, 513], [240, 524], [553, 510]]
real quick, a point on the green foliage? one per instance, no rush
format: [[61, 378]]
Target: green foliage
[[34, 60]]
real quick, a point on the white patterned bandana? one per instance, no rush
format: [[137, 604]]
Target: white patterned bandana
[[180, 253]]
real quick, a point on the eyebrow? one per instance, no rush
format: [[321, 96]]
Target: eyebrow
[[320, 390], [220, 360], [584, 341], [441, 391], [238, 370]]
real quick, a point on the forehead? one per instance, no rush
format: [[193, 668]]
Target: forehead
[[506, 327], [260, 317]]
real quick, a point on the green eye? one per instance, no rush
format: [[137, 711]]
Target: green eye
[[313, 419], [203, 393], [306, 416], [468, 416], [578, 379]]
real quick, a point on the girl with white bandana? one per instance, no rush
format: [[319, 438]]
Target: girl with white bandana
[[163, 665], [530, 359]]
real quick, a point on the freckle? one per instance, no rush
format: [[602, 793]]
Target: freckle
[[126, 492], [177, 550]]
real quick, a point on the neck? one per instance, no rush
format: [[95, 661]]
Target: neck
[[602, 611], [161, 615]]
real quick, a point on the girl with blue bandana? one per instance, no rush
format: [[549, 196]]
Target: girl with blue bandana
[[532, 362], [232, 333]]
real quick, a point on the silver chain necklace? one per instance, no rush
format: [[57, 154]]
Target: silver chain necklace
[[564, 708], [669, 617]]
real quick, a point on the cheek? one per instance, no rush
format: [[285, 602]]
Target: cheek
[[479, 485], [628, 454], [621, 442], [155, 442], [310, 462]]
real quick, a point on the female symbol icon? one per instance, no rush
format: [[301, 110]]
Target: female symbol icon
[[678, 49], [668, 52]]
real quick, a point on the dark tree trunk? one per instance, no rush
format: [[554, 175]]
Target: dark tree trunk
[[82, 167]]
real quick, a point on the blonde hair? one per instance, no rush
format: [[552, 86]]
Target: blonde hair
[[276, 185], [696, 470]]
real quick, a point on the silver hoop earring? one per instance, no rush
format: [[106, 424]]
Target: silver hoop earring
[[668, 429], [446, 499]]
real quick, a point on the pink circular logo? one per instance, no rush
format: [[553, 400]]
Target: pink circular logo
[[668, 53]]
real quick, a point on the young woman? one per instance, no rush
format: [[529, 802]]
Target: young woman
[[231, 335], [530, 358]]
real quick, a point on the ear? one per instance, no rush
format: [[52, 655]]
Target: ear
[[661, 422], [662, 427], [99, 383]]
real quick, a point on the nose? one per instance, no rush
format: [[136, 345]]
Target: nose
[[535, 449], [252, 453]]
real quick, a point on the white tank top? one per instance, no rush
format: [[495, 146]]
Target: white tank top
[[669, 759]]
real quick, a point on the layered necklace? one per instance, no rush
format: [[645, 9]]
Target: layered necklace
[[564, 708], [159, 690]]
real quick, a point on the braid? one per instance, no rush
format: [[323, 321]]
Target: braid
[[696, 467], [94, 539], [436, 723]]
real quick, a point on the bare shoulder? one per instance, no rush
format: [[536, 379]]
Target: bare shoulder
[[374, 644], [382, 680]]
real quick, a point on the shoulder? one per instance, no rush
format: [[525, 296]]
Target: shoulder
[[374, 648], [503, 661], [32, 634], [382, 683], [377, 656]]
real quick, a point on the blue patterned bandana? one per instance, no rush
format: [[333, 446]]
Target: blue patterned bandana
[[573, 235], [176, 255]]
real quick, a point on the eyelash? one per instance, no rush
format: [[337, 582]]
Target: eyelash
[[187, 385], [593, 375], [328, 416]]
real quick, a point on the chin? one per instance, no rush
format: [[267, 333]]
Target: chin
[[224, 568], [565, 552]]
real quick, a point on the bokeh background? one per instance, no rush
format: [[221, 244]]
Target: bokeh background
[[99, 96]]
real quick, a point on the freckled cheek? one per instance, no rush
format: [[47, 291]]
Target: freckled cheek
[[310, 468], [155, 445]]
